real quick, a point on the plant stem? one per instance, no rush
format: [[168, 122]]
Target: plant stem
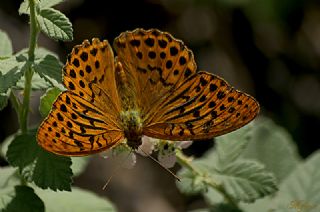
[[15, 102], [184, 161], [29, 71]]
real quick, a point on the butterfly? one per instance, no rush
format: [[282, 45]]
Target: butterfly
[[151, 87]]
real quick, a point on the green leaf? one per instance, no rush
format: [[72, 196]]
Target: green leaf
[[5, 44], [222, 207], [25, 200], [50, 66], [222, 170], [5, 144], [49, 3], [55, 24], [243, 180], [263, 205], [78, 200], [52, 171], [37, 83], [23, 150], [190, 183], [301, 189], [3, 101], [45, 169], [24, 7], [269, 143], [79, 164], [47, 100], [231, 145], [11, 70], [246, 180], [8, 180], [50, 71]]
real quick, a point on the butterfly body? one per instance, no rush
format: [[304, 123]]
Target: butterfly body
[[152, 87], [132, 127], [130, 115]]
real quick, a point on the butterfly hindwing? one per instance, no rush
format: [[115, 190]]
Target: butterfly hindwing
[[76, 127]]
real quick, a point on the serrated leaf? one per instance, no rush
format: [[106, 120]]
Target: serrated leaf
[[230, 146], [23, 150], [10, 79], [49, 3], [47, 100], [50, 66], [5, 44], [52, 171], [190, 184], [11, 70], [41, 52], [79, 200], [263, 205], [37, 83], [3, 101], [301, 190], [246, 180], [243, 180], [25, 200], [42, 82], [55, 24], [24, 6], [269, 143]]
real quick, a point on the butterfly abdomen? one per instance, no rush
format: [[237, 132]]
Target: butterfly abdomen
[[132, 125]]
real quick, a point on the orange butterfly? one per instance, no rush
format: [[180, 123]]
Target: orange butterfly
[[150, 88]]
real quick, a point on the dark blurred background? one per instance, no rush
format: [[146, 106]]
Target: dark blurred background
[[267, 48]]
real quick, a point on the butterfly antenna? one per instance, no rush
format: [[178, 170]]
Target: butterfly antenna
[[115, 170], [165, 168]]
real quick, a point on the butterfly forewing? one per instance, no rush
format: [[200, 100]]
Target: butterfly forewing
[[89, 72], [156, 63]]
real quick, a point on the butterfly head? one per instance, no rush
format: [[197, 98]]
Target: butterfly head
[[132, 125]]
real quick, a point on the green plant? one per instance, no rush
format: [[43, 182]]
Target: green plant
[[36, 68], [241, 173]]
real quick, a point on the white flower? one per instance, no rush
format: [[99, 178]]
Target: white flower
[[124, 155], [167, 158], [183, 144], [147, 146]]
